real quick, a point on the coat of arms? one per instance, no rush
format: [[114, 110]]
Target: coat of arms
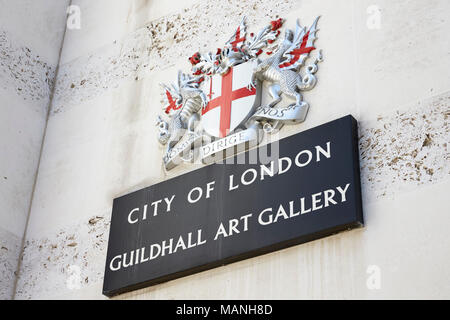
[[218, 105]]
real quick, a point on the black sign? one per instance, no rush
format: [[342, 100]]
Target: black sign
[[223, 213]]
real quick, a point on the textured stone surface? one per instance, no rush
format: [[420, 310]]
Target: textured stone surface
[[406, 149], [24, 71], [51, 264], [9, 255], [31, 33], [38, 24], [158, 45]]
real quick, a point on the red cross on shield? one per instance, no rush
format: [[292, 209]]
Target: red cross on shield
[[230, 102]]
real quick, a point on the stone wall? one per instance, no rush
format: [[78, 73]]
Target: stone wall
[[100, 144], [31, 34]]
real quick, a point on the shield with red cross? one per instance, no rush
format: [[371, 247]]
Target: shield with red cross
[[230, 102]]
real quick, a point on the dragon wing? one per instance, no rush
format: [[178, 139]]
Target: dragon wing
[[237, 39], [302, 45]]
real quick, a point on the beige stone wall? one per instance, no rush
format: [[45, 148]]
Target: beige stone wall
[[31, 34], [100, 144]]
